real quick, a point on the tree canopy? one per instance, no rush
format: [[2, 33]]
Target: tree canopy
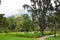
[[41, 9]]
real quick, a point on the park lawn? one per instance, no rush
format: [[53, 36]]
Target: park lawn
[[20, 36], [8, 37], [54, 38]]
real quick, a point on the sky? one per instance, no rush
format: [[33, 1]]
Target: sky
[[10, 7]]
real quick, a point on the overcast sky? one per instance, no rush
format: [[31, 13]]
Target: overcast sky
[[10, 7]]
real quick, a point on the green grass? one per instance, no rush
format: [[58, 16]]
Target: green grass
[[54, 38], [3, 36], [21, 35]]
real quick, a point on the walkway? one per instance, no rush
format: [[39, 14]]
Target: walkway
[[44, 37]]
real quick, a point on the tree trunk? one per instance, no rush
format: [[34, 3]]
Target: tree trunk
[[55, 32], [42, 32]]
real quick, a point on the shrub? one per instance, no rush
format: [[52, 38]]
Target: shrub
[[47, 33], [37, 34], [0, 31], [6, 31], [29, 35]]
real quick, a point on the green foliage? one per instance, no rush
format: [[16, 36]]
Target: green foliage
[[24, 22], [29, 35], [35, 34], [48, 32], [12, 20], [39, 17], [0, 31], [6, 31], [22, 34], [14, 23], [37, 28], [27, 24], [4, 22], [11, 37]]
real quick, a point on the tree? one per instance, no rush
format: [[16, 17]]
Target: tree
[[4, 22], [18, 20], [12, 23], [24, 22], [39, 9], [27, 23]]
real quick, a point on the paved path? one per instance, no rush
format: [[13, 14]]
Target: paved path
[[44, 37]]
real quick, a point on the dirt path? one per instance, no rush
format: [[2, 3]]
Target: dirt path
[[43, 38]]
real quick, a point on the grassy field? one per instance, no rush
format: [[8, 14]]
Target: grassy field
[[54, 38], [9, 37], [21, 35]]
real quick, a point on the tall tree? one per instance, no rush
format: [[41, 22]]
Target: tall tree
[[39, 9]]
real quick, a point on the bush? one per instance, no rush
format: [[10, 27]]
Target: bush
[[6, 31], [37, 34], [29, 35], [0, 31], [24, 35], [47, 33]]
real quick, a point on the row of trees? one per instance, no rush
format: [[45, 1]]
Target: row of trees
[[22, 22], [16, 23]]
